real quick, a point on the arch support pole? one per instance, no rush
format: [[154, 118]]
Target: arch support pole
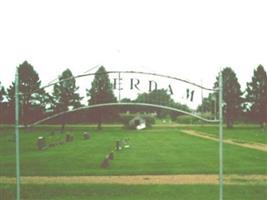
[[17, 134], [221, 136]]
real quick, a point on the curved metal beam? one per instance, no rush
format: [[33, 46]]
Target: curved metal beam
[[122, 104], [131, 72]]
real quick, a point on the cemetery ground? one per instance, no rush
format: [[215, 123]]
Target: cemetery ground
[[163, 162]]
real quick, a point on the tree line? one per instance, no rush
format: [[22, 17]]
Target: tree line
[[36, 103], [249, 106]]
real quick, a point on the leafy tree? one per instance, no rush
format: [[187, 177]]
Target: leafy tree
[[208, 105], [30, 93], [265, 103], [161, 97], [101, 92], [179, 106], [2, 93], [126, 100], [256, 95], [231, 96], [157, 97], [65, 96]]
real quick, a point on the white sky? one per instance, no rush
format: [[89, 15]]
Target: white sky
[[188, 39]]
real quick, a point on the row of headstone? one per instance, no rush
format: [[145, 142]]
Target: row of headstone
[[42, 144], [119, 145]]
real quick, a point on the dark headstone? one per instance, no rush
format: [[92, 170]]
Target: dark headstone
[[41, 143], [105, 163], [69, 138], [111, 156], [118, 146], [86, 135]]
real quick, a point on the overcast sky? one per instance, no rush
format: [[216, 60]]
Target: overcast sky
[[188, 39]]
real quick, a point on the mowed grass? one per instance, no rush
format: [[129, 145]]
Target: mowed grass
[[164, 150], [133, 192], [245, 133]]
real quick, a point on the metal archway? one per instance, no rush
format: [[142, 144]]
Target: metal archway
[[220, 90]]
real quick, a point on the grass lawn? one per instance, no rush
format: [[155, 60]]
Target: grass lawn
[[249, 134], [158, 150], [133, 192]]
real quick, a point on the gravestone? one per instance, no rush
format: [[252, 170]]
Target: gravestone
[[86, 136], [69, 138], [41, 143], [126, 143], [111, 156], [105, 163], [118, 146]]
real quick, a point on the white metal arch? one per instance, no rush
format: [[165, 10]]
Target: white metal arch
[[220, 90], [132, 72], [122, 104]]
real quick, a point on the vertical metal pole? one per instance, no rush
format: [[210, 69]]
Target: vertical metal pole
[[201, 82], [221, 135], [17, 133], [215, 108], [119, 87], [202, 110]]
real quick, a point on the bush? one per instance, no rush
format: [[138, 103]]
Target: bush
[[126, 118], [187, 119], [150, 119]]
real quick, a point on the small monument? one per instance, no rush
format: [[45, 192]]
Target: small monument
[[41, 143], [105, 163], [86, 136], [138, 123]]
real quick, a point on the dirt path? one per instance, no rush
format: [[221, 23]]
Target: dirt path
[[257, 146], [140, 179]]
